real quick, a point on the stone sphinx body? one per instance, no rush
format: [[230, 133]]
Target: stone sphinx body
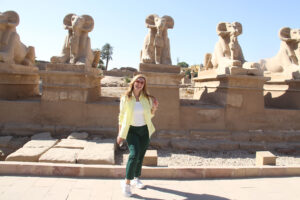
[[12, 50], [156, 49], [287, 59], [228, 53], [77, 46]]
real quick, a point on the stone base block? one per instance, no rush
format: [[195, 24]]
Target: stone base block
[[150, 158], [237, 91], [265, 158], [159, 68], [27, 154], [98, 152], [60, 155], [282, 92], [71, 143], [71, 82], [161, 75], [18, 81]]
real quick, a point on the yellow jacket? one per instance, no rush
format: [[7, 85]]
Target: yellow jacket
[[126, 114]]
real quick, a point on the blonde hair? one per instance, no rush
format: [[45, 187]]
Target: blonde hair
[[145, 92]]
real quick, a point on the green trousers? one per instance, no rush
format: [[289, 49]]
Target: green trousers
[[138, 142]]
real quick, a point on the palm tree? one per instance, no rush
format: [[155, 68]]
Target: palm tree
[[106, 53]]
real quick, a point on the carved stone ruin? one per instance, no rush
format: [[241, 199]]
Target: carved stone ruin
[[228, 57], [18, 77], [71, 76], [77, 47], [163, 77], [286, 63], [283, 90], [156, 48]]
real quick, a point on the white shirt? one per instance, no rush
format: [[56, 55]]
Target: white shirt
[[138, 115]]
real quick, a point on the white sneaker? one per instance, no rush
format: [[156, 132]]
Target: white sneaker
[[137, 183], [126, 189]]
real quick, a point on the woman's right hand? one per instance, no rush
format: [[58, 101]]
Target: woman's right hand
[[119, 140]]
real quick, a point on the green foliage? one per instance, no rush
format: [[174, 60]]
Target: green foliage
[[188, 73], [183, 64], [106, 53], [127, 79], [101, 65]]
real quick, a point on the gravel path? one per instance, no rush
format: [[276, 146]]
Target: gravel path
[[212, 158]]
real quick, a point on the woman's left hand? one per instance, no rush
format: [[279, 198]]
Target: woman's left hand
[[155, 104]]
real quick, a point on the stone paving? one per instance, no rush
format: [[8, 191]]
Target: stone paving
[[62, 188]]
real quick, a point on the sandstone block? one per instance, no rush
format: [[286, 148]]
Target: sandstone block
[[78, 135], [40, 143], [265, 158], [71, 143], [98, 152], [27, 154], [150, 158], [60, 155]]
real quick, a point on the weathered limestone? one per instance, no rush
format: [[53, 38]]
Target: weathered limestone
[[77, 47], [18, 77], [150, 158], [156, 49], [12, 50], [265, 158], [98, 152], [63, 82], [237, 91], [228, 57], [71, 143], [286, 62], [60, 155], [78, 135], [72, 76], [32, 150], [27, 154], [282, 92]]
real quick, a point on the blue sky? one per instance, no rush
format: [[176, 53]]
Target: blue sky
[[122, 24]]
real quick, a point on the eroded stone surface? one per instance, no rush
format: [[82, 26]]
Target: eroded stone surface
[[60, 155], [78, 135], [27, 154], [98, 152], [156, 49], [40, 143], [12, 49], [287, 60], [71, 143], [77, 47], [228, 57]]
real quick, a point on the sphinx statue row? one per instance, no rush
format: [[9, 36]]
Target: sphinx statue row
[[227, 57]]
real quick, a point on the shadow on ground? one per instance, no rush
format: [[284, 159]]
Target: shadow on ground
[[184, 195]]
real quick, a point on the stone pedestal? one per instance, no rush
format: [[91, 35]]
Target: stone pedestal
[[238, 91], [282, 91], [71, 82], [240, 95], [18, 81], [265, 158], [163, 83]]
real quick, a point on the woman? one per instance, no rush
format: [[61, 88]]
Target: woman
[[137, 107]]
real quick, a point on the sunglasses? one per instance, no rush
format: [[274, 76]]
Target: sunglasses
[[140, 82]]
